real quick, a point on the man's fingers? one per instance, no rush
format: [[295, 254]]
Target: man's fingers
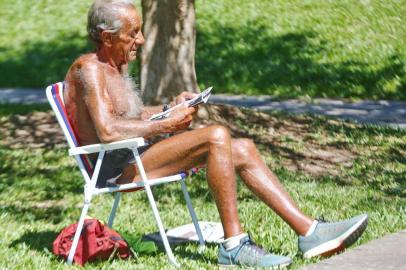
[[180, 98], [182, 117], [184, 125], [184, 96], [189, 95], [189, 118], [191, 110]]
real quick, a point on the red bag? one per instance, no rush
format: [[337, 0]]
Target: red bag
[[95, 242]]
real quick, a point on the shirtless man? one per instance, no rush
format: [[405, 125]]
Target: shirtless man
[[102, 107]]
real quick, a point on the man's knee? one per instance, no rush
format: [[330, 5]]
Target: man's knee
[[218, 134], [243, 148]]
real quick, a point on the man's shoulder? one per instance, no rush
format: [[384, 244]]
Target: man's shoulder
[[83, 70], [87, 63]]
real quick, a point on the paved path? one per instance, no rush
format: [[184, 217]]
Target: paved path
[[391, 113], [386, 253], [27, 96]]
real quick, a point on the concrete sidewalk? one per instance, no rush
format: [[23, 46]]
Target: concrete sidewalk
[[386, 253], [389, 113]]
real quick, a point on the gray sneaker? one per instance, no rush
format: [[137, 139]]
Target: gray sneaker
[[248, 254], [329, 238]]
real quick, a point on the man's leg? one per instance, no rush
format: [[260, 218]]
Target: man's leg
[[323, 237], [212, 147], [263, 183], [209, 147]]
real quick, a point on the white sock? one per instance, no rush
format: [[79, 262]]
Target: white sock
[[312, 228], [233, 241]]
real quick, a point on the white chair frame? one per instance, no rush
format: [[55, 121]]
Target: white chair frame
[[91, 190]]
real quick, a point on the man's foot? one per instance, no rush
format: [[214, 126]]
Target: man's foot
[[329, 238], [248, 254]]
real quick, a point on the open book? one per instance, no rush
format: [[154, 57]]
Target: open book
[[203, 97]]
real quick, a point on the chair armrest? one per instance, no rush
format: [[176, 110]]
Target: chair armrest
[[95, 148]]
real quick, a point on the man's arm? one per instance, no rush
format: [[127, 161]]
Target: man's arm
[[110, 127]]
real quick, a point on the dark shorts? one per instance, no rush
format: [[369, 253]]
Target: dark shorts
[[113, 164]]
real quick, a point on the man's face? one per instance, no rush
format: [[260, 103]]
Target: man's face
[[126, 42]]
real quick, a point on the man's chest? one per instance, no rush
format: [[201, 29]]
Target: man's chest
[[119, 95]]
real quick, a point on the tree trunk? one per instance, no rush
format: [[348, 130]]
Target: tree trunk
[[167, 59]]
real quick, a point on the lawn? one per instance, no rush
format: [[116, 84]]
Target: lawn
[[348, 49], [330, 167]]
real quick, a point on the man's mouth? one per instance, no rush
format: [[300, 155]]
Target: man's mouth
[[133, 53]]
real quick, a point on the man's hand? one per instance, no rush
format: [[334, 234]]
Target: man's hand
[[183, 97], [179, 119]]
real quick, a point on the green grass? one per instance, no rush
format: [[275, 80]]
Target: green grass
[[7, 109], [41, 192], [351, 49], [348, 49]]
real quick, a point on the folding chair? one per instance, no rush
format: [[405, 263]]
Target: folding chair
[[55, 97]]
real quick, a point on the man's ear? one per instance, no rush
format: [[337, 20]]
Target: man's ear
[[106, 38]]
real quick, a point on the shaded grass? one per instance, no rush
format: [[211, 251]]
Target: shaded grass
[[349, 49], [41, 193]]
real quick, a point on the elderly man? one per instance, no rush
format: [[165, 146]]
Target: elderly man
[[103, 107]]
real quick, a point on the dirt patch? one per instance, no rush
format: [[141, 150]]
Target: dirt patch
[[290, 138]]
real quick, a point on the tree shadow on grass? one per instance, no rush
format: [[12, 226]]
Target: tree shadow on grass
[[42, 63], [397, 154], [36, 240], [51, 214], [383, 161], [43, 184], [240, 59]]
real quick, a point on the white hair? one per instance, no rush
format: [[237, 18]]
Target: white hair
[[104, 15], [133, 96]]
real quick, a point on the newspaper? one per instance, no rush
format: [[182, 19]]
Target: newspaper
[[212, 233], [203, 97]]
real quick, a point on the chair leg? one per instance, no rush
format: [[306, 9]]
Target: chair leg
[[155, 209], [192, 212], [161, 227], [114, 209], [78, 232]]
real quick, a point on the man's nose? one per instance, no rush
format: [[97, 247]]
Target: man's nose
[[140, 39]]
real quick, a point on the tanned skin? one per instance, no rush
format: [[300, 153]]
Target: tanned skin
[[94, 85]]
